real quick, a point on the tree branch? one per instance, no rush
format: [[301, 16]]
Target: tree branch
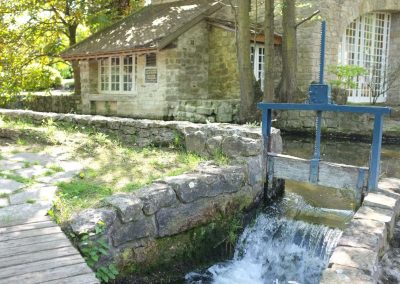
[[307, 19]]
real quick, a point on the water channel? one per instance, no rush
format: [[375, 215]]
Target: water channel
[[292, 239]]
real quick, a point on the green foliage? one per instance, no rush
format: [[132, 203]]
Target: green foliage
[[36, 31], [64, 69], [345, 75], [92, 247], [345, 80], [220, 158], [40, 78]]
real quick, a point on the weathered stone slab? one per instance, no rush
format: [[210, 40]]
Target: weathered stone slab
[[3, 202], [173, 220], [58, 177], [32, 171], [196, 142], [42, 159], [338, 274], [366, 234], [236, 145], [382, 201], [129, 207], [23, 213], [156, 196], [191, 187], [359, 258], [6, 165], [86, 220], [377, 214], [144, 227], [8, 186], [38, 192]]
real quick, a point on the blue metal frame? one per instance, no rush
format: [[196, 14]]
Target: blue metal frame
[[378, 112], [319, 101]]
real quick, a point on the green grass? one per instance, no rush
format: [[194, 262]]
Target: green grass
[[17, 178], [110, 166], [4, 195], [31, 201]]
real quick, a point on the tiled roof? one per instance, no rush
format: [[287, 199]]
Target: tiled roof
[[153, 27]]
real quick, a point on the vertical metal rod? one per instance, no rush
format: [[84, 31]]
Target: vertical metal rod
[[317, 146], [322, 53], [374, 169]]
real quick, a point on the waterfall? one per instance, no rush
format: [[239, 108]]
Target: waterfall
[[276, 250]]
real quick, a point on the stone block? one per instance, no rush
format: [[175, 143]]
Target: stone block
[[235, 146], [135, 230], [38, 192], [129, 207], [191, 187], [359, 258], [340, 274], [173, 220], [196, 142], [8, 186], [366, 234], [382, 201], [214, 144], [204, 110], [377, 214], [156, 196], [86, 221]]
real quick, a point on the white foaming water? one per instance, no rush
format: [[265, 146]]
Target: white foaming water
[[275, 250]]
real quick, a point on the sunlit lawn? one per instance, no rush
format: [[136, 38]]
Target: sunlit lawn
[[110, 166]]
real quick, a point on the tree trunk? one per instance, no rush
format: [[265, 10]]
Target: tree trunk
[[288, 85], [75, 64], [269, 52], [247, 103]]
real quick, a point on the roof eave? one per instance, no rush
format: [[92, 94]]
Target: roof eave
[[108, 53]]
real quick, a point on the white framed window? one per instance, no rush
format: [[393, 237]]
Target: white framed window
[[150, 71], [116, 74], [257, 60], [366, 43]]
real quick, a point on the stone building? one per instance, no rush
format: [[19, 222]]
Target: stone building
[[171, 60], [359, 32], [177, 59]]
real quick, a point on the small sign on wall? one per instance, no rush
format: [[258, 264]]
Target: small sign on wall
[[150, 75]]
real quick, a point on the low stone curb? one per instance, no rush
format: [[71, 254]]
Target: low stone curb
[[363, 243]]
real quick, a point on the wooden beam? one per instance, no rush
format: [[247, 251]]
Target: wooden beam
[[330, 174]]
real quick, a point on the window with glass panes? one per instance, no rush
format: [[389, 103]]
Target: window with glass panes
[[257, 60], [116, 74], [366, 44]]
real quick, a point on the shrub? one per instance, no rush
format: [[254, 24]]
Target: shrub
[[40, 78]]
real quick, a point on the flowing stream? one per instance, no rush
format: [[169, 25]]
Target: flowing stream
[[292, 239], [277, 248]]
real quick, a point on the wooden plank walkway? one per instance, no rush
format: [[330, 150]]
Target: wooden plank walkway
[[37, 251]]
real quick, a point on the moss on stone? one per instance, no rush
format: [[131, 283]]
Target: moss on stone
[[170, 258]]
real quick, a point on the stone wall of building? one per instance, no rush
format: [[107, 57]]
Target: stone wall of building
[[343, 125], [223, 79], [308, 34], [46, 103], [394, 61]]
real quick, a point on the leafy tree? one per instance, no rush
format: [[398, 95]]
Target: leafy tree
[[37, 30]]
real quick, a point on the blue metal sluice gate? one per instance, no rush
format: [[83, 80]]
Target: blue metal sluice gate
[[320, 101]]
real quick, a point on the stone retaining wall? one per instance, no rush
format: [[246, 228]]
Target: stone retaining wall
[[137, 223], [344, 125], [46, 103], [363, 243]]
